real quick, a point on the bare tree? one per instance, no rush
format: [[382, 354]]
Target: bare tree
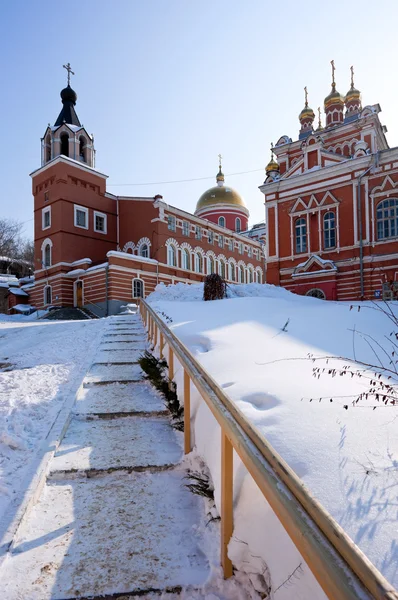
[[10, 237]]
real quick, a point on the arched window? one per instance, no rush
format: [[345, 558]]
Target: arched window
[[210, 265], [65, 144], [198, 262], [47, 255], [48, 296], [48, 148], [231, 272], [387, 219], [82, 148], [316, 293], [221, 268], [186, 259], [241, 274], [138, 288], [301, 236], [250, 277], [144, 251], [238, 225], [221, 221], [329, 230], [259, 278], [171, 255]]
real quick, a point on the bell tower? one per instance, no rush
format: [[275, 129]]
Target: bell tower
[[67, 136]]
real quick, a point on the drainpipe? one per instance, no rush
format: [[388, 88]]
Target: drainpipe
[[107, 290], [117, 222], [361, 277]]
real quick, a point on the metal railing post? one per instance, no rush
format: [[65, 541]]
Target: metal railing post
[[227, 521], [187, 413]]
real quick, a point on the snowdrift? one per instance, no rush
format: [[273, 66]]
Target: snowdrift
[[256, 344]]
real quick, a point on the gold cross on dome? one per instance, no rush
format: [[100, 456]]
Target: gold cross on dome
[[219, 160], [272, 151], [68, 68], [306, 95], [352, 76], [333, 70]]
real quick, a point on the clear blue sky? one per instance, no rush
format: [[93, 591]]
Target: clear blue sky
[[165, 85]]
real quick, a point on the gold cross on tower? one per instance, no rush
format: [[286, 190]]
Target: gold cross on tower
[[333, 70], [68, 68], [306, 96], [352, 77], [219, 160]]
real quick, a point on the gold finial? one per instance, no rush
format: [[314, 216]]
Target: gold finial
[[319, 118], [306, 96], [352, 77], [219, 161], [272, 151], [68, 68], [333, 70]]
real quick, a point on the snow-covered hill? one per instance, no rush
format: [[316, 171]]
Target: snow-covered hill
[[41, 365], [257, 348]]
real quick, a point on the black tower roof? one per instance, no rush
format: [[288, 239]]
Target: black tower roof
[[68, 113]]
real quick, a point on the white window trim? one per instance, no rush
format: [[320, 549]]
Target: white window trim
[[76, 207], [143, 287], [45, 303], [43, 212], [104, 216]]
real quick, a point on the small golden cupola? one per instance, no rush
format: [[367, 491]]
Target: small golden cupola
[[352, 101], [272, 169], [334, 104], [306, 118], [223, 205]]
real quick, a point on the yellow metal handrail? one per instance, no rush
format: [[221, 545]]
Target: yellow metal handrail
[[340, 567]]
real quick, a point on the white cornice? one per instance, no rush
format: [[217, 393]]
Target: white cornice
[[68, 161]]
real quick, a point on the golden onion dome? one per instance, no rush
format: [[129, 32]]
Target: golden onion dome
[[272, 166], [333, 98], [220, 195], [353, 94], [306, 113]]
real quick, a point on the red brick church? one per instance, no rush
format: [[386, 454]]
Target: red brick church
[[331, 204], [98, 250]]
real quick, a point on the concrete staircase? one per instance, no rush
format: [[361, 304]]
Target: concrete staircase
[[114, 519]]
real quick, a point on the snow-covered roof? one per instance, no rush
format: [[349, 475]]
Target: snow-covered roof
[[18, 292], [23, 308], [117, 254]]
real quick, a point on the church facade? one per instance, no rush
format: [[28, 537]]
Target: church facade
[[331, 201], [99, 250]]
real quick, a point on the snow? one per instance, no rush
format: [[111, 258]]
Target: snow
[[114, 514], [42, 363], [18, 292], [116, 254], [256, 347]]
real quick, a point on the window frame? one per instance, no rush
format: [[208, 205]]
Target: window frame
[[238, 229], [45, 211], [210, 237], [198, 232], [329, 232], [300, 232], [169, 248], [103, 216], [142, 282], [386, 220], [185, 228], [171, 223], [220, 240], [47, 287], [84, 209], [222, 224]]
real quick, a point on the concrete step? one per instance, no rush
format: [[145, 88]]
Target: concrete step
[[119, 398], [113, 373], [102, 445], [112, 344], [108, 535], [123, 355]]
